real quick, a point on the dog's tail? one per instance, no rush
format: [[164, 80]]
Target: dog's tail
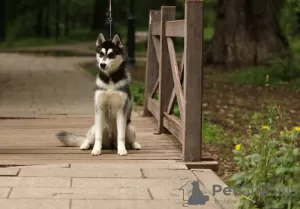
[[69, 139]]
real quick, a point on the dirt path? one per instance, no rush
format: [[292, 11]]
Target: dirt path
[[39, 86]]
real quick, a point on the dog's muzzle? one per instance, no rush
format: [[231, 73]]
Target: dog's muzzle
[[103, 66]]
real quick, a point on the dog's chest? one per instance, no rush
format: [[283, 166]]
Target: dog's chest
[[110, 102]]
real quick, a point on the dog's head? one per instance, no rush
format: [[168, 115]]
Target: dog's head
[[109, 53]]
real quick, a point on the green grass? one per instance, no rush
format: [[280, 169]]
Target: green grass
[[280, 72], [295, 46], [79, 35], [212, 133], [29, 42], [137, 90], [208, 33], [255, 76], [90, 68]]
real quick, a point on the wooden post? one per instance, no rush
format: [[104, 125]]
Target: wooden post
[[165, 71], [193, 78], [152, 62]]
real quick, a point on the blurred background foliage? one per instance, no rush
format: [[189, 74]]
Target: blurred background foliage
[[79, 20]]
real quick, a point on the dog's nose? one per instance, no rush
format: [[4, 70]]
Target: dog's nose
[[102, 65]]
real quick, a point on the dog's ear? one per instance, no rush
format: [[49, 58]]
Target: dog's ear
[[100, 39], [116, 40]]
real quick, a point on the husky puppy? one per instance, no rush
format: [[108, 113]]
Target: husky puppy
[[113, 103]]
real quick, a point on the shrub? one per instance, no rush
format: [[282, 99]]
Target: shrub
[[137, 90], [269, 169]]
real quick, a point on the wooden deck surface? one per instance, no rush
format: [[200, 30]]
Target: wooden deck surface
[[32, 141], [59, 94]]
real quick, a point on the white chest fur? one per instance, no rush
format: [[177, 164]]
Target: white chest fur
[[110, 102]]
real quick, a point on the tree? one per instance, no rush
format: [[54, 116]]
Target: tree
[[39, 19], [2, 20], [47, 20], [67, 17], [170, 2], [298, 21], [57, 19], [99, 17], [247, 32]]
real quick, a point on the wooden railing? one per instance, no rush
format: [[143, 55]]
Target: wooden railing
[[168, 81]]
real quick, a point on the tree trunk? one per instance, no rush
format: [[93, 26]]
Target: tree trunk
[[39, 21], [298, 22], [73, 24], [2, 20], [47, 21], [170, 3], [67, 19], [12, 12], [247, 32], [99, 17], [57, 19]]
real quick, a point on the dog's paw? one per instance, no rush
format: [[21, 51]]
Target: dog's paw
[[85, 146], [136, 146], [96, 152], [122, 152]]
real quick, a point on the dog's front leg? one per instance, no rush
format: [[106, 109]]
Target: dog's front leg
[[98, 131], [121, 129]]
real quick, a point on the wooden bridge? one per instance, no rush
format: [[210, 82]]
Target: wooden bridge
[[168, 85], [41, 95]]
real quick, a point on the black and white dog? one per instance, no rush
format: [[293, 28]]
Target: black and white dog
[[113, 103]]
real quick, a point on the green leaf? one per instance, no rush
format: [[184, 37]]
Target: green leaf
[[296, 152], [281, 170], [244, 176]]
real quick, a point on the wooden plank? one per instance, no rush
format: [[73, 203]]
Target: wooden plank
[[175, 28], [175, 74], [79, 154], [152, 62], [154, 89], [39, 145], [173, 95], [173, 124], [193, 81], [212, 165], [165, 71], [131, 154], [36, 161], [155, 28], [156, 47], [153, 107]]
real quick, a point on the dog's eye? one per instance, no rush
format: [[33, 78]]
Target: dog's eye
[[101, 54], [110, 55]]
